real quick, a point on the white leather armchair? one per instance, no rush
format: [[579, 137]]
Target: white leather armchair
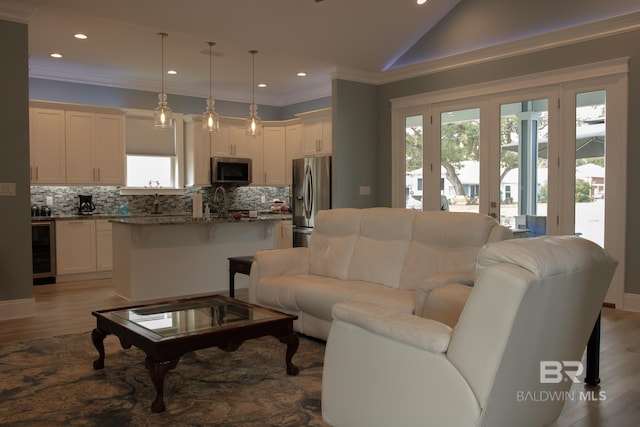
[[534, 300]]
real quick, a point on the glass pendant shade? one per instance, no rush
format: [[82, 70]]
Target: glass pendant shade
[[162, 115], [253, 125], [210, 119], [254, 122]]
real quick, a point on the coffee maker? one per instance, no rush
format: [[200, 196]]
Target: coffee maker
[[85, 205]]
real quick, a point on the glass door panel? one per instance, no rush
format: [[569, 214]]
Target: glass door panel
[[413, 162], [523, 165], [590, 165], [460, 160]]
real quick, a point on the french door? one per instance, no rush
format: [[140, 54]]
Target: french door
[[549, 160]]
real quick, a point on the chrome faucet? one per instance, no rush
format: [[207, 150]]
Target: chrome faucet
[[156, 205], [225, 212]]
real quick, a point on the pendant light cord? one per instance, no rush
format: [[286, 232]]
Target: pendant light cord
[[253, 80], [162, 36]]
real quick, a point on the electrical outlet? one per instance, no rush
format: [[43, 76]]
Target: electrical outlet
[[263, 199], [48, 200]]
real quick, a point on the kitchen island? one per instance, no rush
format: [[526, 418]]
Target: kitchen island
[[167, 257]]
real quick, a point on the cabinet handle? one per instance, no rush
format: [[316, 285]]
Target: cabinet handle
[[36, 173], [99, 175]]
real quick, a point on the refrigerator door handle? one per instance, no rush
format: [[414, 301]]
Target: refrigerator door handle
[[308, 192]]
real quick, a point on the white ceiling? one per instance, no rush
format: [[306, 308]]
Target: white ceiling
[[124, 50]]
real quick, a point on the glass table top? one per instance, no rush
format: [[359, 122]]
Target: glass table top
[[171, 320]]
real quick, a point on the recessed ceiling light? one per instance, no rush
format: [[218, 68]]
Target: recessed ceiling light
[[422, 1], [80, 36], [172, 72], [262, 85], [55, 55], [301, 74]]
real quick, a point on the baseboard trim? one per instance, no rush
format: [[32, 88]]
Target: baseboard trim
[[67, 278], [17, 308], [631, 302]]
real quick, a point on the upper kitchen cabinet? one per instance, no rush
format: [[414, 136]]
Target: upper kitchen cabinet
[[316, 129], [95, 148], [231, 140], [197, 152], [274, 155], [47, 146], [293, 139]]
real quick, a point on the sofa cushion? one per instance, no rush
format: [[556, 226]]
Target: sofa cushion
[[378, 256], [442, 243], [445, 303], [317, 294], [332, 242]]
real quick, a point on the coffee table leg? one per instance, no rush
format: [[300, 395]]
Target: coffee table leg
[[292, 343], [158, 370], [97, 337]]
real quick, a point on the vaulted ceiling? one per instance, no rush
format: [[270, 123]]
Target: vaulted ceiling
[[291, 36]]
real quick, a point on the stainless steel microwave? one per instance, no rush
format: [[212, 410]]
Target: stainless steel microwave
[[230, 170]]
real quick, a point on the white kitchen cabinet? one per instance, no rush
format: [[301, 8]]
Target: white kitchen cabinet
[[198, 145], [256, 149], [83, 246], [75, 246], [47, 146], [94, 148], [284, 234], [293, 140], [104, 245], [274, 157], [231, 140], [316, 128]]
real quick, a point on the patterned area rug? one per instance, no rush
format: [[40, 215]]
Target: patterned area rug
[[51, 382]]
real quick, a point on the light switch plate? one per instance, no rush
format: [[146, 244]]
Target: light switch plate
[[7, 188], [365, 190]]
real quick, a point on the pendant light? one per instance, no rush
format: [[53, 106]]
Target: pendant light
[[162, 118], [254, 123], [210, 119]]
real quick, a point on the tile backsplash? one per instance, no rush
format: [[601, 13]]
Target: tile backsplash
[[108, 199]]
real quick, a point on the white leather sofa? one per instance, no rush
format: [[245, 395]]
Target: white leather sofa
[[391, 257], [534, 300]]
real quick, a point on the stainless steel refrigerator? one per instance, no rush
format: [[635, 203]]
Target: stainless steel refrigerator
[[311, 192]]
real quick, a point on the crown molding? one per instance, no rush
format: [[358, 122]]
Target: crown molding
[[16, 11], [594, 30], [151, 85]]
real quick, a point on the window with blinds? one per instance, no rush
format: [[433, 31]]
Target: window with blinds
[[153, 155]]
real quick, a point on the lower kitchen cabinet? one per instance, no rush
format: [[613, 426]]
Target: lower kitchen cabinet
[[104, 245], [284, 235], [83, 246]]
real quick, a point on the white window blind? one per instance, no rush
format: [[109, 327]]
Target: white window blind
[[144, 140]]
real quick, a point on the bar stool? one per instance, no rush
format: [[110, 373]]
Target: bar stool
[[240, 264]]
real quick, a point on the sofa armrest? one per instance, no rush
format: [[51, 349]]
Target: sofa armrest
[[277, 262], [282, 262], [425, 334], [463, 277]]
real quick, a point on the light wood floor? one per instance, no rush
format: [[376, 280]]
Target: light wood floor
[[66, 308]]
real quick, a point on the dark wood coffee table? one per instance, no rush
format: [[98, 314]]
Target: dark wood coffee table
[[165, 331]]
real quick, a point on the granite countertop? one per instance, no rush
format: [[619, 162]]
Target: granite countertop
[[188, 219], [168, 218]]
